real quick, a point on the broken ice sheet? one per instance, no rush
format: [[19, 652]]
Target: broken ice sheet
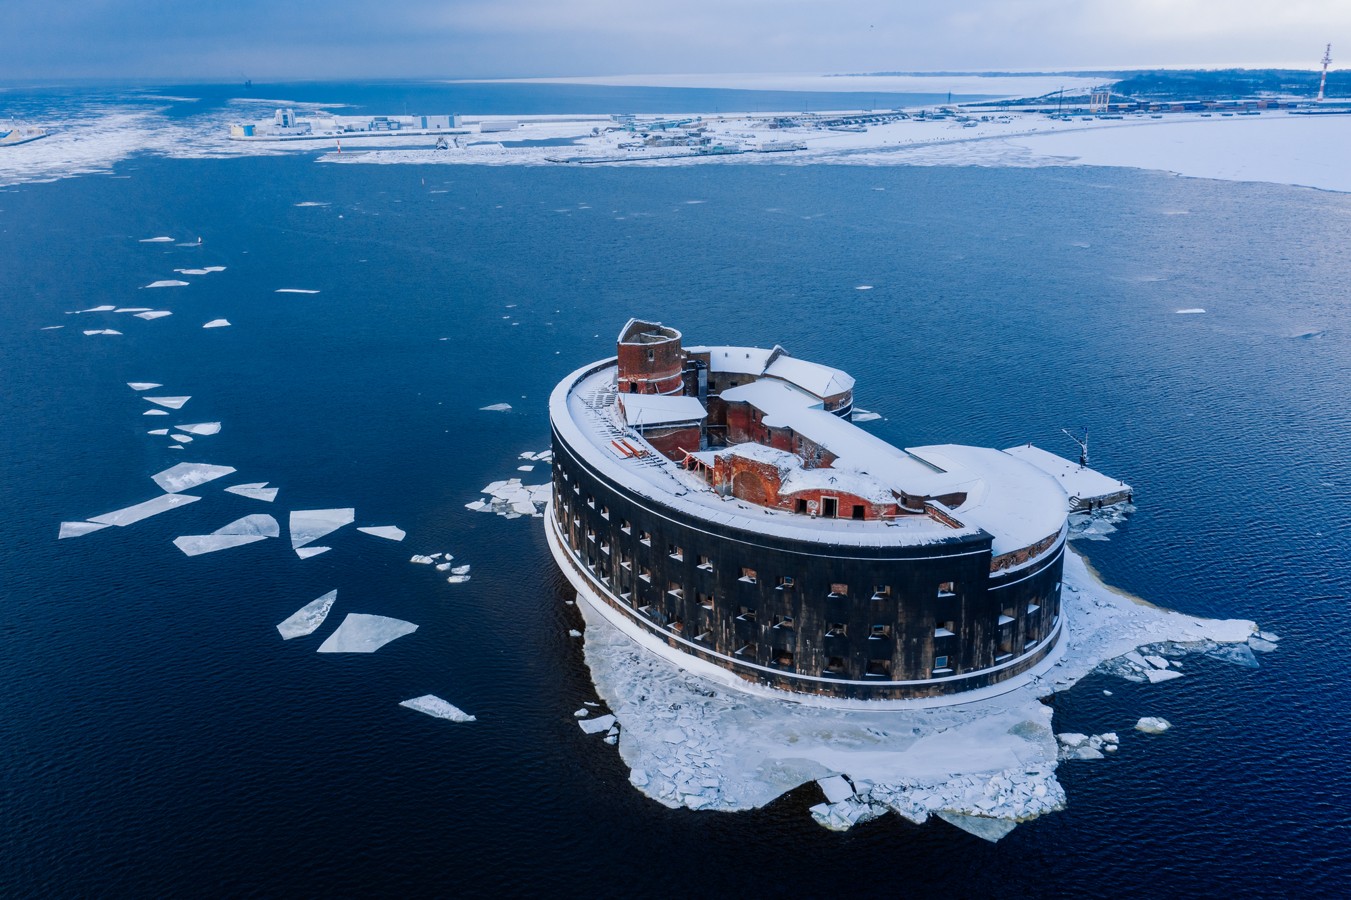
[[143, 385], [75, 529], [247, 530], [255, 491], [597, 725], [200, 428], [217, 323], [311, 524], [131, 514], [308, 618], [363, 633], [170, 402], [388, 532], [307, 552], [182, 476], [433, 705]]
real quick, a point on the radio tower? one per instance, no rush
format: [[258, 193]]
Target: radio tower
[[1327, 60]]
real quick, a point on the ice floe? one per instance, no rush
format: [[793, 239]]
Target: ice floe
[[158, 432], [154, 314], [1153, 725], [713, 742], [309, 525], [201, 428], [217, 323], [496, 407], [154, 412], [257, 490], [143, 385], [132, 309], [203, 271], [103, 331], [295, 291], [1194, 311], [243, 531], [1100, 523], [307, 552], [157, 240], [183, 476], [598, 724], [433, 705], [512, 499], [458, 579], [107, 307], [308, 618], [75, 529], [181, 438], [170, 402], [363, 633], [864, 415], [131, 514], [171, 282], [460, 570], [422, 560], [51, 327], [388, 532]]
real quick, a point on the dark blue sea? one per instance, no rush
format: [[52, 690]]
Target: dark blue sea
[[157, 738]]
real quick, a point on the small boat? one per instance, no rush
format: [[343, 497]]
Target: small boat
[[13, 135]]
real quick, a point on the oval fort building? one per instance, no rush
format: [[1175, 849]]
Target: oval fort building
[[721, 501]]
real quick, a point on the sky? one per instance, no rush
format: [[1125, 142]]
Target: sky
[[269, 40]]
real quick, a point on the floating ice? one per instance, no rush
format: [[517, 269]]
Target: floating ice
[[441, 567], [311, 524], [308, 618], [157, 240], [1190, 312], [573, 632], [525, 468], [181, 438], [1153, 725], [1261, 646], [836, 788], [154, 314], [305, 203], [388, 532], [496, 407], [983, 827], [362, 633], [422, 560], [863, 415], [477, 505], [158, 432], [458, 579], [154, 412], [598, 724], [257, 490], [247, 530], [460, 570], [106, 308], [50, 327], [143, 385], [204, 271], [167, 283], [132, 309], [188, 475], [433, 705], [103, 331], [170, 402], [295, 291], [217, 323], [131, 514], [200, 428], [864, 287], [175, 447], [75, 529], [307, 552]]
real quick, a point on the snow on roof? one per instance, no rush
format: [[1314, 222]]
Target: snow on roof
[[737, 360], [1078, 481], [823, 381], [659, 409]]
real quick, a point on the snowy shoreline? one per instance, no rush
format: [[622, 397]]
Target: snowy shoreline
[[983, 766]]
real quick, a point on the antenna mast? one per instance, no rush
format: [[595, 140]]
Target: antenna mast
[[1327, 61], [1083, 445]]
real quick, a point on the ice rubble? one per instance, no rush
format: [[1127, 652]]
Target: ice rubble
[[257, 490], [200, 428], [183, 476], [433, 705], [154, 314], [132, 514], [388, 532], [167, 283], [170, 402], [512, 499], [983, 765], [247, 530], [308, 618], [143, 385], [362, 633], [217, 323], [309, 525]]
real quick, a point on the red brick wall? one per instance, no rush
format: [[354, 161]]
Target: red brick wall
[[661, 375]]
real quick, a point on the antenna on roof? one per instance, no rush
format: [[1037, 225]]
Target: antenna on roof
[[1083, 445]]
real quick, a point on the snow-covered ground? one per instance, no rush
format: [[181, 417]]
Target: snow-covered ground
[[983, 766]]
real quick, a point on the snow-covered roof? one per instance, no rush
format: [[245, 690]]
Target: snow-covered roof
[[737, 360], [823, 381], [659, 409], [1078, 481]]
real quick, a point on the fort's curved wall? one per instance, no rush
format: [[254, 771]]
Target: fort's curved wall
[[805, 615]]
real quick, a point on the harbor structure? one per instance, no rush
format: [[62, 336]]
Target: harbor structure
[[718, 505]]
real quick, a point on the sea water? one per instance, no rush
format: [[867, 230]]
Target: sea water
[[160, 738]]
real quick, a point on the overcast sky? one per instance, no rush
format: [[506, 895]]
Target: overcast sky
[[185, 40]]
